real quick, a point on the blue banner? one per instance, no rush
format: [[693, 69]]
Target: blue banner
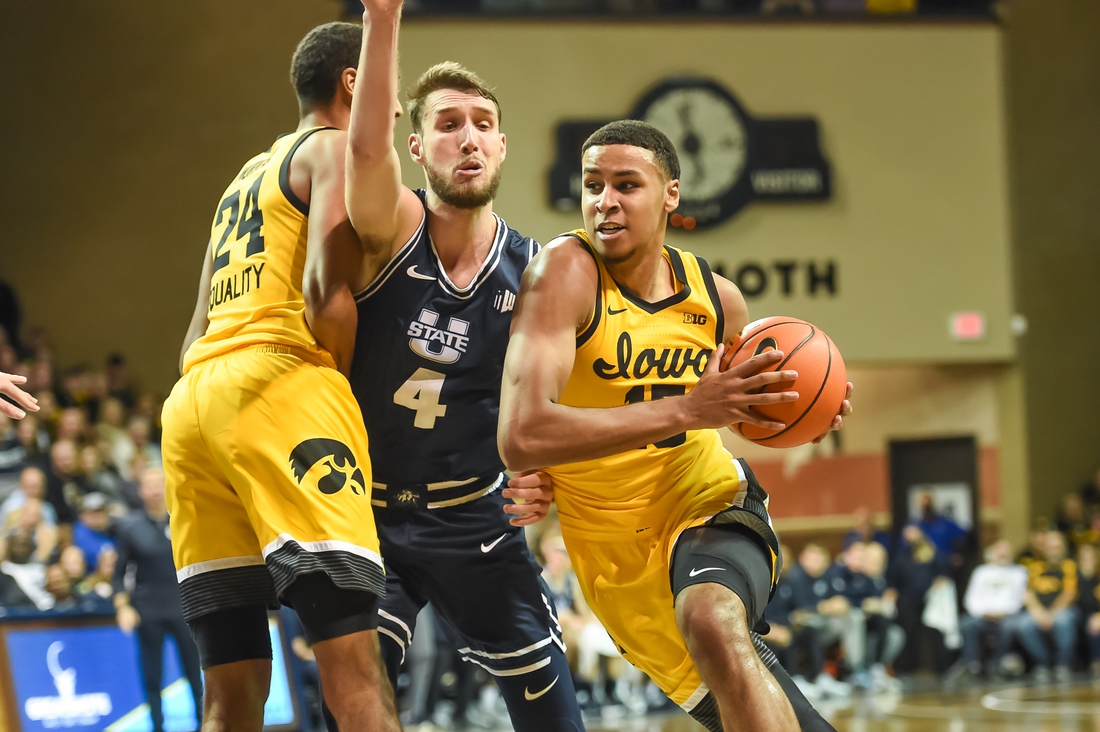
[[89, 678]]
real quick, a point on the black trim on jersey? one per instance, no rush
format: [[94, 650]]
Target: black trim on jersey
[[533, 248], [395, 262], [284, 173], [587, 333], [712, 290], [346, 570], [492, 259], [675, 299]]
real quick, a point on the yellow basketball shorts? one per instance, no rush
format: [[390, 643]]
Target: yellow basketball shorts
[[265, 455], [628, 584]]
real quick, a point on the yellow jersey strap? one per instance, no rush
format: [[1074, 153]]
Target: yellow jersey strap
[[284, 170], [594, 320]]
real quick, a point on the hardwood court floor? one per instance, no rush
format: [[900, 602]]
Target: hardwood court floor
[[1074, 708]]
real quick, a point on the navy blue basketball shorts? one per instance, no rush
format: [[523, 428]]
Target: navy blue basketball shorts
[[475, 569]]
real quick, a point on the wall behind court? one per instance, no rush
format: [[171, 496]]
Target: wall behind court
[[133, 115], [911, 120]]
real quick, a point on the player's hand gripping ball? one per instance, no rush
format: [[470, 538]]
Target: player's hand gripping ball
[[821, 383]]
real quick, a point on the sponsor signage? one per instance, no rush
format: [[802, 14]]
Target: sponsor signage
[[89, 678], [727, 157]]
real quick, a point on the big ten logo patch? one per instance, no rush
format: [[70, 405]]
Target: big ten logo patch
[[427, 339], [695, 318]]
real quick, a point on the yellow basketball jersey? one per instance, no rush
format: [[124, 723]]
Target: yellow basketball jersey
[[258, 246], [633, 351]]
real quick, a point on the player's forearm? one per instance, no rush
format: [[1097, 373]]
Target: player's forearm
[[370, 131], [554, 434]]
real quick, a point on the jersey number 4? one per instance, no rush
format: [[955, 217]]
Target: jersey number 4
[[420, 393], [249, 224]]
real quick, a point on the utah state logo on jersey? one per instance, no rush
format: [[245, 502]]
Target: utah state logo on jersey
[[435, 344]]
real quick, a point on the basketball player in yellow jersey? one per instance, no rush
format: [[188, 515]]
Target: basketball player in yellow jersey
[[611, 383], [264, 447]]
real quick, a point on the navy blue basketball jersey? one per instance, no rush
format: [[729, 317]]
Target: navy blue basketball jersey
[[429, 357]]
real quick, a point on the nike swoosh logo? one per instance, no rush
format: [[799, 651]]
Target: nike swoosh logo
[[486, 548], [695, 572], [531, 697], [411, 272], [614, 312]]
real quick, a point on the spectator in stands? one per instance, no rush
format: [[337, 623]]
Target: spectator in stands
[[995, 593], [12, 452], [152, 606], [138, 443], [12, 595], [97, 478], [19, 564], [797, 646], [60, 586], [872, 594], [1051, 608], [73, 562], [71, 425], [63, 492], [34, 439], [32, 485], [914, 569], [100, 579], [1088, 602], [28, 519], [1073, 520], [110, 428], [820, 605], [945, 534], [92, 533], [1036, 542], [864, 531], [119, 386]]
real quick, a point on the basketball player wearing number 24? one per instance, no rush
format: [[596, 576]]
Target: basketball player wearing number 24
[[612, 384]]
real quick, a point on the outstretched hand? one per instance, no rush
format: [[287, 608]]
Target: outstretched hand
[[9, 387], [727, 397], [536, 490], [382, 6], [838, 420]]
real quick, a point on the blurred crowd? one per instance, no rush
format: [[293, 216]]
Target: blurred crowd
[[689, 7], [69, 476]]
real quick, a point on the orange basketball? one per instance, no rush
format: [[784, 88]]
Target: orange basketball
[[821, 383]]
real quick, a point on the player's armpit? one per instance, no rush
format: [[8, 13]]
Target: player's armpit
[[381, 209], [200, 319]]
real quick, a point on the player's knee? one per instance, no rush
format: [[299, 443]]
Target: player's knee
[[328, 611], [713, 620]]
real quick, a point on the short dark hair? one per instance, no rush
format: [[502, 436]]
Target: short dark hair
[[446, 75], [320, 61], [638, 134]]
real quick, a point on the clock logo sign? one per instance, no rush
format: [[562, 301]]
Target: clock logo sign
[[727, 158], [711, 135]]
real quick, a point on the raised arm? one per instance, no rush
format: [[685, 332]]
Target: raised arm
[[199, 319], [334, 252], [381, 209], [556, 299]]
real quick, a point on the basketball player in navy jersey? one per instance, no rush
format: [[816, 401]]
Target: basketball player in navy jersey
[[438, 277]]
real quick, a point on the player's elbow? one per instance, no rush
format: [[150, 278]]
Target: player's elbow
[[517, 449]]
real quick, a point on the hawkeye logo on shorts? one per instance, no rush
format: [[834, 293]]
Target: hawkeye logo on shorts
[[435, 344], [331, 465]]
